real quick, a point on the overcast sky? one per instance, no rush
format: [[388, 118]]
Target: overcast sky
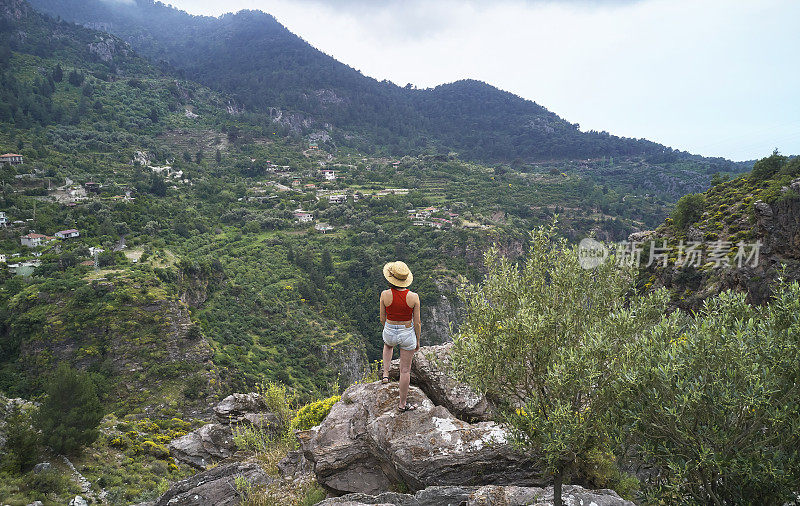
[[714, 77]]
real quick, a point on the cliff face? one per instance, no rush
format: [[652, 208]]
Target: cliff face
[[741, 212], [143, 342]]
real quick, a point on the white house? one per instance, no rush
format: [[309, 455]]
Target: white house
[[68, 234], [3, 219], [337, 199], [2, 258], [323, 227], [329, 174], [303, 216], [11, 158], [33, 240]]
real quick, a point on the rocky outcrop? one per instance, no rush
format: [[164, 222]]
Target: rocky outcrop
[[365, 445], [107, 47], [429, 372], [348, 356], [484, 496], [246, 408], [217, 486], [214, 441], [210, 443]]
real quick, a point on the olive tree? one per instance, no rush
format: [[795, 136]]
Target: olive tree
[[714, 401], [543, 339]]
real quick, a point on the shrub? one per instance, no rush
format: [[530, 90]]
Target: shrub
[[714, 401], [278, 399], [22, 442], [688, 210], [544, 339], [313, 413]]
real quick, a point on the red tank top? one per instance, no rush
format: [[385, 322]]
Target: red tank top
[[398, 310]]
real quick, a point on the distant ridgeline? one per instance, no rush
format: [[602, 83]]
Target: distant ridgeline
[[267, 68]]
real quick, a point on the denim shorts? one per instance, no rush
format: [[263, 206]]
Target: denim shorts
[[400, 335]]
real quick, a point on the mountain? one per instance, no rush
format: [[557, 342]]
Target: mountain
[[253, 57]]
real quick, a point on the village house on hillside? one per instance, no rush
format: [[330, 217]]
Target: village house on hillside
[[3, 219], [34, 240], [329, 175], [303, 216], [11, 158], [68, 234], [323, 227]]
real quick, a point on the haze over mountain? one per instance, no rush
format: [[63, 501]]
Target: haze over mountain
[[255, 58]]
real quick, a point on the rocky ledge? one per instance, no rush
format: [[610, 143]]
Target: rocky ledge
[[446, 452], [366, 445], [429, 371], [484, 496], [214, 441]]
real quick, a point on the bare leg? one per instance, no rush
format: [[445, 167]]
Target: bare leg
[[387, 359], [405, 374]]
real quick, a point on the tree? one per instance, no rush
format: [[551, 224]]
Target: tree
[[718, 178], [198, 157], [58, 74], [769, 166], [688, 210], [326, 262], [71, 412], [22, 441], [218, 157], [542, 339], [714, 400]]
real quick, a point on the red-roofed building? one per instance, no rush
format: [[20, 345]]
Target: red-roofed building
[[11, 158], [68, 234]]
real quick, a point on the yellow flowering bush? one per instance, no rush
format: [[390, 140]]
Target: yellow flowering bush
[[313, 414]]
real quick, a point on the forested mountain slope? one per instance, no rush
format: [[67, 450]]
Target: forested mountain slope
[[255, 58]]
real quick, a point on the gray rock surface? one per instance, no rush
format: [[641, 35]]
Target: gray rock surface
[[78, 501], [215, 487], [365, 445], [214, 441], [41, 467], [490, 495], [295, 464], [245, 408], [203, 446], [429, 372]]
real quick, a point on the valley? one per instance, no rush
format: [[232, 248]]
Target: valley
[[173, 237]]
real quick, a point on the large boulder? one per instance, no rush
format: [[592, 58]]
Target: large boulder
[[366, 445], [214, 441], [429, 371], [215, 487], [246, 408], [210, 443], [490, 495]]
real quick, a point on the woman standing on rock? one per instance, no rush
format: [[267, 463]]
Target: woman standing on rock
[[401, 325]]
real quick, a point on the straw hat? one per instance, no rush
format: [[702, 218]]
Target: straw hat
[[398, 274]]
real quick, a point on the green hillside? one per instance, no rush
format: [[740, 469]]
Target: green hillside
[[207, 282]]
